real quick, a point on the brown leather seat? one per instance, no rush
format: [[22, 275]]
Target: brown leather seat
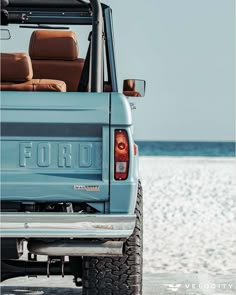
[[54, 55], [17, 74], [16, 67]]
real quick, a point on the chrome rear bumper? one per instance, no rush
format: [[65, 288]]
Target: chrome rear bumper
[[66, 225]]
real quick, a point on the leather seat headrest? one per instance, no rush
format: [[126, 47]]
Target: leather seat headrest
[[16, 67], [53, 45]]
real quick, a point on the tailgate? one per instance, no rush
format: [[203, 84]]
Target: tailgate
[[55, 146]]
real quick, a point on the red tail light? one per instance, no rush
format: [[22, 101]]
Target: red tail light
[[121, 155]]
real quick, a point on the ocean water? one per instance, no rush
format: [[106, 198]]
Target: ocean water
[[184, 149]]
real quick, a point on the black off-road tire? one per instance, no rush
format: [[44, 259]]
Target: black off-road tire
[[118, 275]]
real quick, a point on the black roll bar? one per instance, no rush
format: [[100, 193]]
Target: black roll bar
[[96, 65]]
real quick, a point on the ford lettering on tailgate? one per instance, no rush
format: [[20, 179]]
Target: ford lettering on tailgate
[[60, 155]]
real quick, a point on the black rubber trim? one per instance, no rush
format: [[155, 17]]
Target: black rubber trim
[[51, 129]]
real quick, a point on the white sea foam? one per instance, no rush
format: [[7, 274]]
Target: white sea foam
[[189, 214]]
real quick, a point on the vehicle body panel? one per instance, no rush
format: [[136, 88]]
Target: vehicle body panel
[[54, 147], [57, 148]]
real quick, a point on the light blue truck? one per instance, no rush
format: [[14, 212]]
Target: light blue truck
[[70, 188]]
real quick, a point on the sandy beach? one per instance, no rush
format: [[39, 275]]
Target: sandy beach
[[189, 214]]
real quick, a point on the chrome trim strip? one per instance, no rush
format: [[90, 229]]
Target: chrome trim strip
[[66, 225]]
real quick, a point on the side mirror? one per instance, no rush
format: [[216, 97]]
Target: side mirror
[[134, 87]]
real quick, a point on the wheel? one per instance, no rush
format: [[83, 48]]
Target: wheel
[[118, 275]]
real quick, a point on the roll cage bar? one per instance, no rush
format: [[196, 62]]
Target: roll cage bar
[[64, 12]]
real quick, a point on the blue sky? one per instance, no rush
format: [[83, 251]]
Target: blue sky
[[185, 50]]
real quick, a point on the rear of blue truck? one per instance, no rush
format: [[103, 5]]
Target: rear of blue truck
[[70, 188], [72, 149]]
